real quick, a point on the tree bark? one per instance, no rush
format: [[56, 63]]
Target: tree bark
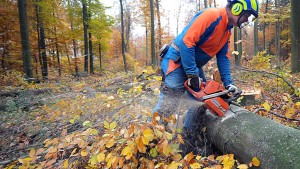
[[152, 34], [249, 135], [22, 6], [264, 27], [255, 37], [122, 33], [85, 34], [159, 24], [235, 46], [295, 35], [57, 52]]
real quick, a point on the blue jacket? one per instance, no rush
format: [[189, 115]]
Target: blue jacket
[[207, 35]]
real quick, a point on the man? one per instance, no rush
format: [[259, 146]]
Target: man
[[207, 35]]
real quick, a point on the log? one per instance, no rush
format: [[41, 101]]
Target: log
[[248, 135]]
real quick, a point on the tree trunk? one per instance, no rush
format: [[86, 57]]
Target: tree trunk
[[249, 135], [277, 35], [122, 33], [91, 54], [128, 30], [90, 44], [38, 33], [68, 56], [235, 46], [256, 37], [264, 28], [100, 55], [295, 37], [73, 40], [22, 6], [159, 25], [57, 52], [85, 35], [205, 4], [42, 45], [152, 34], [44, 55], [146, 46]]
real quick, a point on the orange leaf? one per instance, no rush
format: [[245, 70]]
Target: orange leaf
[[189, 157], [180, 139], [110, 143], [39, 151], [64, 133], [49, 163], [121, 162]]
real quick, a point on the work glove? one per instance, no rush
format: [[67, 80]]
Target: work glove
[[194, 81], [232, 88]]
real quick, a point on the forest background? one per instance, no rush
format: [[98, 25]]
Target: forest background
[[69, 68]]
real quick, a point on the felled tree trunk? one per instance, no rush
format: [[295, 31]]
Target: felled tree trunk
[[248, 135]]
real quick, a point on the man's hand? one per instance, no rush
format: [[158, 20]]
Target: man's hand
[[232, 88], [194, 81]]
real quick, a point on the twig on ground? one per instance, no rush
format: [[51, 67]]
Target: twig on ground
[[274, 113], [271, 73]]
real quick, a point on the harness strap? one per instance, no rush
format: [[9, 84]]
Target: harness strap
[[175, 46]]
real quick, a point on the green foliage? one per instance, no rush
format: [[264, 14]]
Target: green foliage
[[261, 61]]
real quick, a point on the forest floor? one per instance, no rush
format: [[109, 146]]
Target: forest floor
[[32, 114]]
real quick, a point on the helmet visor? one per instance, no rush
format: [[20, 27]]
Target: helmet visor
[[245, 18]]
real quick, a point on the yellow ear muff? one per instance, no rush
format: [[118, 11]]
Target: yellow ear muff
[[237, 9]]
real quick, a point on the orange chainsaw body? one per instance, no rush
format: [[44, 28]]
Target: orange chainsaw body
[[216, 105]]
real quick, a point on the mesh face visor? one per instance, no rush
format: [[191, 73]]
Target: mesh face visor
[[245, 18]]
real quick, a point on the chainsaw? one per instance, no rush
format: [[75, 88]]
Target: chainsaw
[[215, 96]]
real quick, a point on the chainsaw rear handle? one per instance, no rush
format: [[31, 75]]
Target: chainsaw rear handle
[[198, 95]]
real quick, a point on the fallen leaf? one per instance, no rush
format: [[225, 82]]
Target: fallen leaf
[[266, 106], [180, 139], [255, 161], [66, 163], [100, 157], [242, 166], [84, 153], [195, 165]]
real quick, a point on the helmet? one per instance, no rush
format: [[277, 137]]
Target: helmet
[[244, 8]]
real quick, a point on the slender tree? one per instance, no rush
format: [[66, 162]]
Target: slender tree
[[255, 36], [22, 6], [71, 19], [158, 24], [42, 41], [152, 34], [236, 56], [205, 4], [264, 27], [240, 47], [90, 43], [277, 34], [85, 35], [122, 34], [57, 52], [295, 35]]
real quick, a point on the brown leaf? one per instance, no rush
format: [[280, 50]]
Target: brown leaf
[[179, 137], [49, 163], [64, 133]]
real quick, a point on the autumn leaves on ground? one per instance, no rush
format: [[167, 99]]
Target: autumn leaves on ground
[[100, 121]]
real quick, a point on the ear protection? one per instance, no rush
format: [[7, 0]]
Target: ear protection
[[237, 9]]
